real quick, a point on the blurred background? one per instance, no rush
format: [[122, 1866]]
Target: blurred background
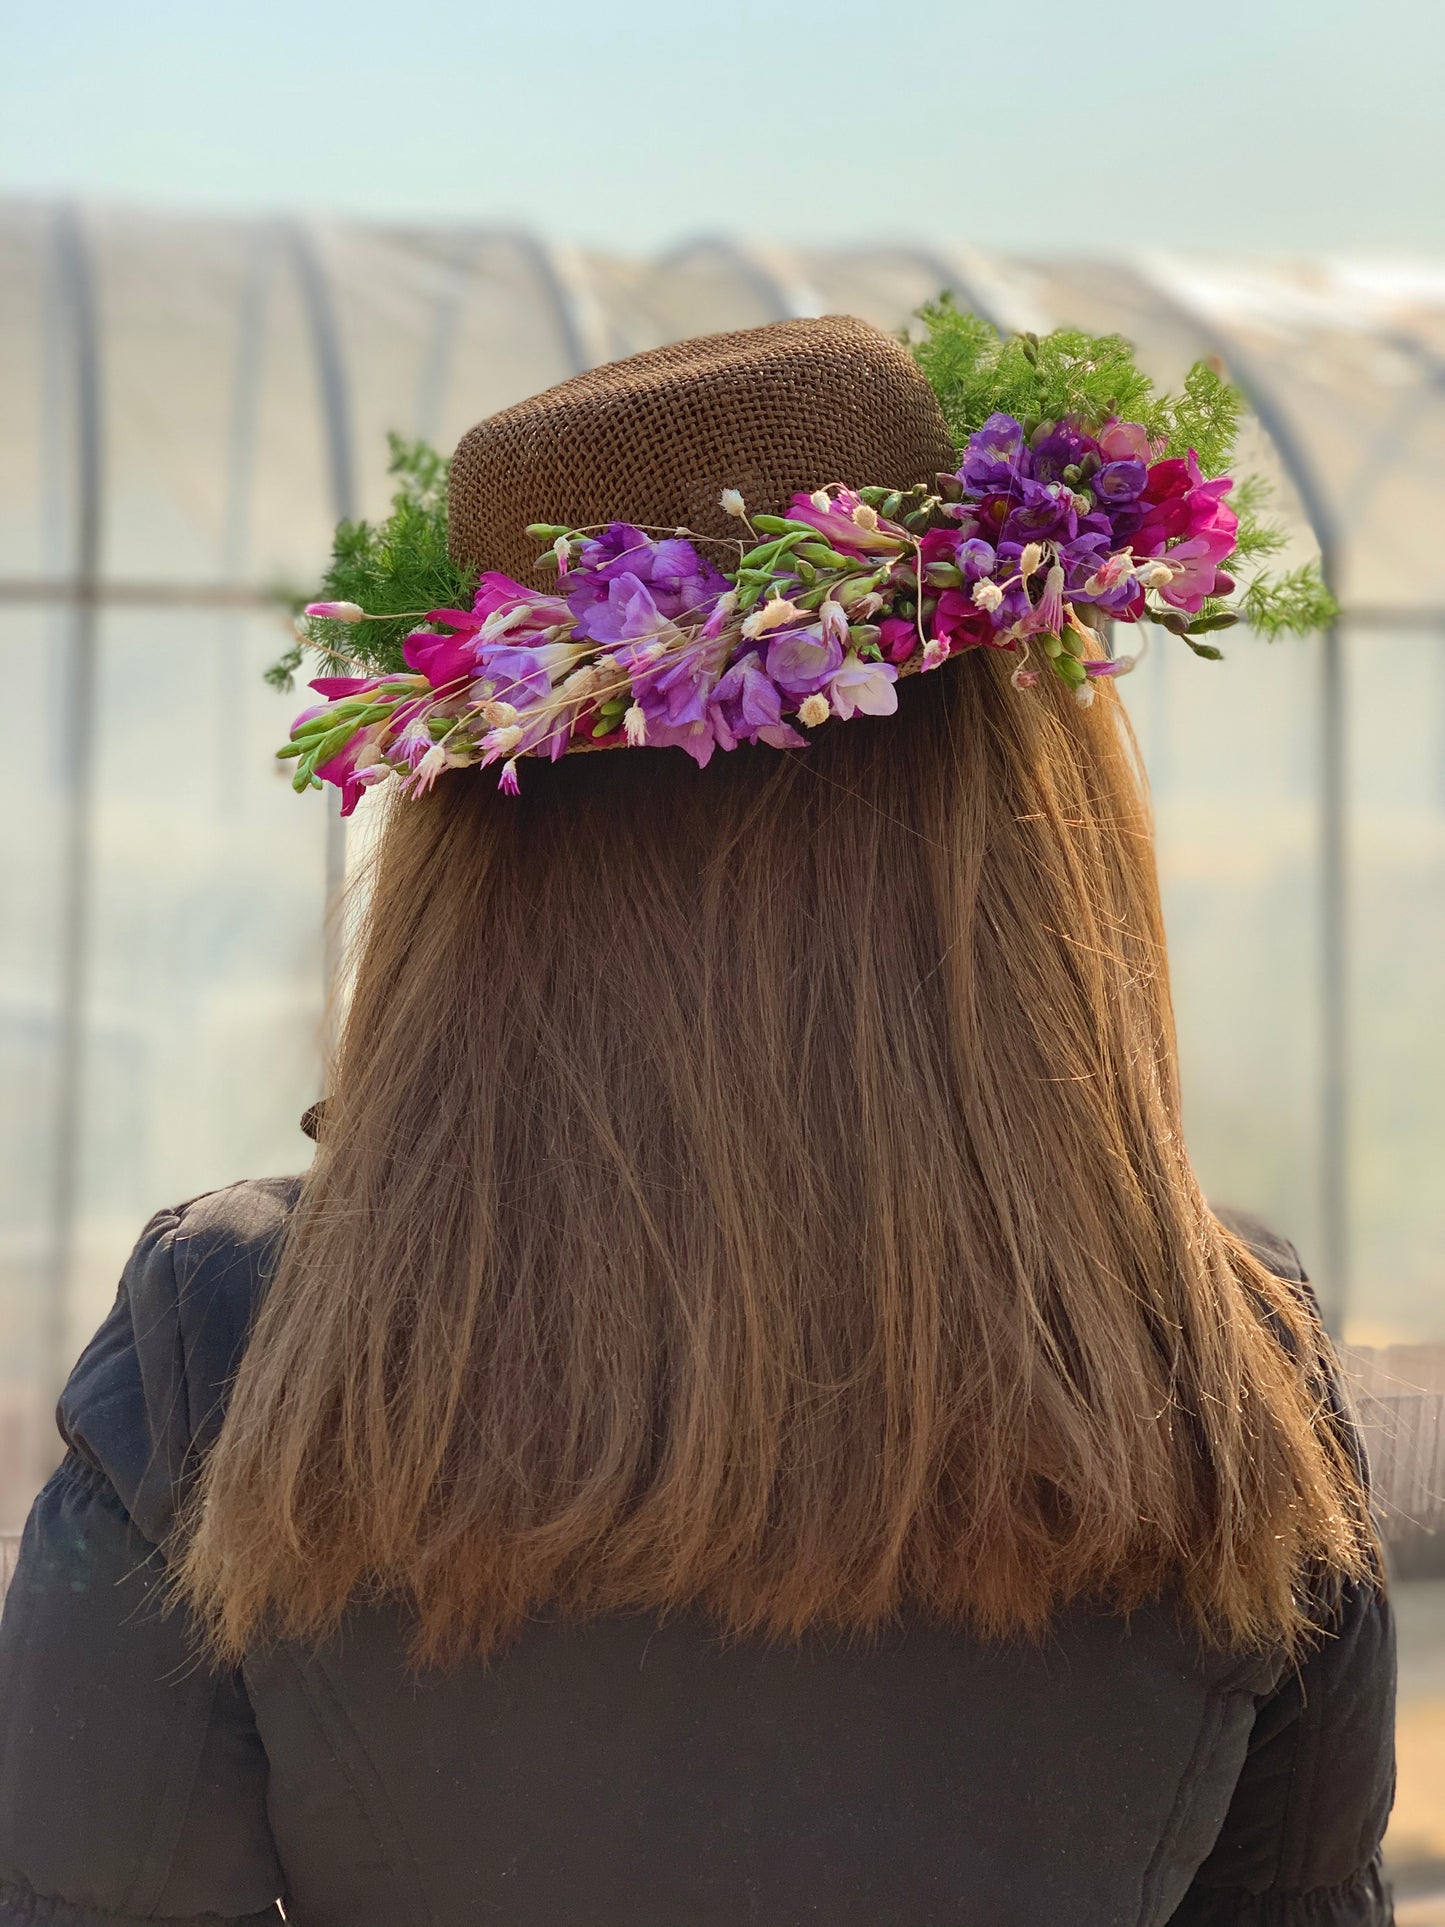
[[240, 244]]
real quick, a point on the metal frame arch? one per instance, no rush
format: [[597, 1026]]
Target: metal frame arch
[[74, 286], [953, 279], [1334, 1041], [563, 277], [572, 307], [772, 274], [332, 376]]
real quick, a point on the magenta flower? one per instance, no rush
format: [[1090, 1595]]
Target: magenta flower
[[898, 638], [335, 688], [499, 595], [354, 769], [447, 662], [960, 623]]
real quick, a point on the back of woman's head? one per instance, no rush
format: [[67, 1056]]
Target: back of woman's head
[[762, 1189]]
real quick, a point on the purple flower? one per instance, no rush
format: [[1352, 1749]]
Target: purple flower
[[673, 691], [748, 707], [1120, 482], [995, 457], [698, 739], [800, 661], [676, 578], [623, 611], [1044, 509], [511, 674], [1065, 443]]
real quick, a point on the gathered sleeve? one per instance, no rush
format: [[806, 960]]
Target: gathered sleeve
[[132, 1778]]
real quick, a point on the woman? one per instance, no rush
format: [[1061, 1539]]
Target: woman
[[749, 1416]]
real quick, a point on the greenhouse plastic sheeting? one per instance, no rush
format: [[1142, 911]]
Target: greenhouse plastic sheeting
[[186, 406]]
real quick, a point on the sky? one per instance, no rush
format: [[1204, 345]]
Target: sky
[[1262, 125]]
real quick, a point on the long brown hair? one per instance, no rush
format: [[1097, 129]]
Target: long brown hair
[[762, 1189]]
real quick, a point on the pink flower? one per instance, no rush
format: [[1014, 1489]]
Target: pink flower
[[865, 686], [1195, 568], [1123, 442], [336, 611]]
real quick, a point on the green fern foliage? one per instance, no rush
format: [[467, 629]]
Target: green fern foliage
[[396, 570], [975, 372]]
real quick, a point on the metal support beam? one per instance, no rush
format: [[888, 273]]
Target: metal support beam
[[1334, 1016], [78, 339], [332, 378], [771, 274]]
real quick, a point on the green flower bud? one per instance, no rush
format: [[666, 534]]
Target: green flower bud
[[547, 531], [1072, 670]]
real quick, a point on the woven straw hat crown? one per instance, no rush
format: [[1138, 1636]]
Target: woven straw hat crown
[[656, 438]]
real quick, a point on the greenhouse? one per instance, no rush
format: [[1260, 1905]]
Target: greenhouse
[[190, 405]]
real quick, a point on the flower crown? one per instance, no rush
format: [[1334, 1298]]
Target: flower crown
[[1054, 526]]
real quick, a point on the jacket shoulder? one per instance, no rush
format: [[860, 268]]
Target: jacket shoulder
[[149, 1391], [1274, 1252]]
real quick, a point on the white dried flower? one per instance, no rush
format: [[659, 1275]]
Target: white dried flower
[[987, 595], [498, 742], [813, 710], [771, 615], [500, 621], [865, 517], [498, 715], [1084, 695], [934, 653], [732, 504], [822, 501], [1031, 560], [635, 724], [833, 618]]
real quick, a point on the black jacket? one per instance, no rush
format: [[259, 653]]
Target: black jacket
[[620, 1773]]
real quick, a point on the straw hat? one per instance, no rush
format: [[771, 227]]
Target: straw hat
[[655, 439]]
